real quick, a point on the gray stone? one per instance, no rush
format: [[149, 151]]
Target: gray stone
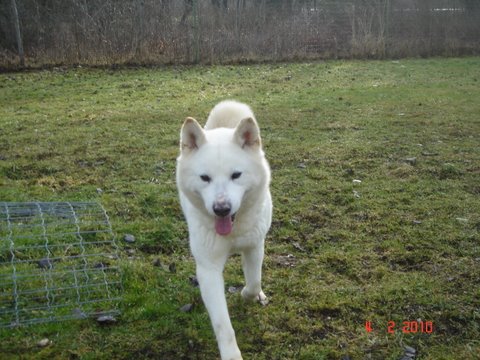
[[106, 319], [44, 342], [233, 289], [45, 263], [193, 280], [409, 350], [129, 238], [411, 161], [157, 262], [186, 308]]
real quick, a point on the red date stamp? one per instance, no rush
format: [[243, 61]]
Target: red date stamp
[[406, 327]]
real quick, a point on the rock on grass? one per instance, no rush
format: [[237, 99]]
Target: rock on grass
[[44, 342], [106, 319], [186, 308], [129, 238]]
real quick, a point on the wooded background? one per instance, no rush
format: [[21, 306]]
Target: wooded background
[[104, 32]]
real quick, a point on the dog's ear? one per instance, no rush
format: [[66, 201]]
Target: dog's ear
[[192, 135], [247, 134]]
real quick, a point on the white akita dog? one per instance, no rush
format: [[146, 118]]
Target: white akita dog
[[223, 181]]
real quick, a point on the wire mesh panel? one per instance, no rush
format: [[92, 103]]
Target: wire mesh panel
[[58, 261]]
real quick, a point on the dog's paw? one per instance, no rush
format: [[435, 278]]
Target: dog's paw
[[262, 299], [259, 297]]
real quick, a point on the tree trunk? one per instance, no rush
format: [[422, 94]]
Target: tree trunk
[[18, 34]]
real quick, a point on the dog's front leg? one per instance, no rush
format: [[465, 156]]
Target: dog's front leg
[[252, 260], [213, 295]]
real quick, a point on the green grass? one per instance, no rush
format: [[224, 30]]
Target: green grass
[[401, 245]]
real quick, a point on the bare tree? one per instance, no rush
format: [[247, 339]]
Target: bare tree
[[18, 34]]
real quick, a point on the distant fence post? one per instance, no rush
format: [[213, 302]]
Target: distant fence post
[[196, 32], [387, 30], [18, 34]]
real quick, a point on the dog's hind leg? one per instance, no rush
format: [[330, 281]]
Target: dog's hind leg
[[213, 295]]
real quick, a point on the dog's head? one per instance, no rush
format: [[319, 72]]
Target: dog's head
[[218, 169]]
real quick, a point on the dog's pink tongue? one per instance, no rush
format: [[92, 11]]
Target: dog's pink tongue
[[223, 225]]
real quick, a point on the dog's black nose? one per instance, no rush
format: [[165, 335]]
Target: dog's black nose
[[222, 209]]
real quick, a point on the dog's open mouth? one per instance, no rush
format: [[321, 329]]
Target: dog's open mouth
[[224, 225]]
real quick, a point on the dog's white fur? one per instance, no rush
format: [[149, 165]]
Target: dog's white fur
[[209, 183]]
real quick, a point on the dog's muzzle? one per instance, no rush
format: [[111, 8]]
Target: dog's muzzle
[[222, 209], [223, 219]]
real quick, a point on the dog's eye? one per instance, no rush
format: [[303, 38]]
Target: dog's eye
[[205, 178], [236, 175]]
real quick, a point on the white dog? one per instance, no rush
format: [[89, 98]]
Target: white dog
[[223, 181]]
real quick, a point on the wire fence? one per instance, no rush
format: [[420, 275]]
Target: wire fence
[[58, 261], [105, 32]]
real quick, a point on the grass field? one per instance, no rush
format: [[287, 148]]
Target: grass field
[[401, 244]]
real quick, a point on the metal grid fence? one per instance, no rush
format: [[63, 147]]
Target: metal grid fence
[[58, 261]]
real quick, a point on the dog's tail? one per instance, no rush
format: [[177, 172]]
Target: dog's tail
[[228, 114]]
